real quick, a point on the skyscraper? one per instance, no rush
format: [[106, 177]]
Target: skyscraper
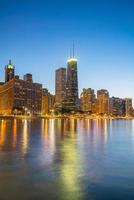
[[102, 102], [9, 71], [117, 106], [28, 77], [128, 106], [19, 96], [71, 103], [47, 102], [88, 101], [60, 88]]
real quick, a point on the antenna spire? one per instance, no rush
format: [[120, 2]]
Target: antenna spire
[[73, 49], [70, 53], [10, 62]]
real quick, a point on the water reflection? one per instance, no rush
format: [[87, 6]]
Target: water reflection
[[96, 130], [2, 132], [45, 130], [52, 134], [102, 130], [24, 136], [70, 171], [48, 141], [67, 158], [14, 140]]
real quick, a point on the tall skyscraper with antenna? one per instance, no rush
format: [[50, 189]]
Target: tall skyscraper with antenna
[[72, 84]]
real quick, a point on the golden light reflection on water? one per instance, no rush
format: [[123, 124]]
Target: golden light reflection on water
[[68, 168], [14, 141], [70, 159], [111, 126], [102, 129], [62, 127], [70, 171], [72, 127], [59, 122], [88, 126], [67, 127], [52, 134], [79, 124], [48, 140], [45, 130], [24, 136], [2, 132], [105, 131]]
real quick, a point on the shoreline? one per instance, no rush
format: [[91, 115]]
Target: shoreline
[[64, 117]]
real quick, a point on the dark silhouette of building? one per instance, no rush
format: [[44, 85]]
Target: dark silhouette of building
[[28, 77], [117, 106], [128, 107], [60, 88], [9, 71], [71, 102]]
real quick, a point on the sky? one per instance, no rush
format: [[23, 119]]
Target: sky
[[38, 34]]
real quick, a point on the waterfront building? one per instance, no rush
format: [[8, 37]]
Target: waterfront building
[[48, 101], [51, 102], [60, 88], [28, 78], [88, 101], [117, 106], [9, 71], [128, 106], [19, 96], [79, 105], [102, 102], [71, 102]]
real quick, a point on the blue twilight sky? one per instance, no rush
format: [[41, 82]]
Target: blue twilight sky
[[37, 36]]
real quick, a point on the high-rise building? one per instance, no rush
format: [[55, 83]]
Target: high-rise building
[[88, 101], [48, 101], [128, 106], [9, 71], [71, 102], [19, 96], [102, 102], [117, 106], [60, 88], [28, 77]]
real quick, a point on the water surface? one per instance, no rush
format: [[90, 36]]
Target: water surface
[[66, 159]]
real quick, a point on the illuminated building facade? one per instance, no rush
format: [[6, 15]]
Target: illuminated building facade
[[60, 88], [128, 106], [9, 71], [88, 101], [48, 101], [117, 106], [71, 102], [19, 96], [7, 97], [102, 102]]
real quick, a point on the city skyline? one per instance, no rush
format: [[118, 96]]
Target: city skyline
[[39, 36], [79, 91], [23, 96]]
